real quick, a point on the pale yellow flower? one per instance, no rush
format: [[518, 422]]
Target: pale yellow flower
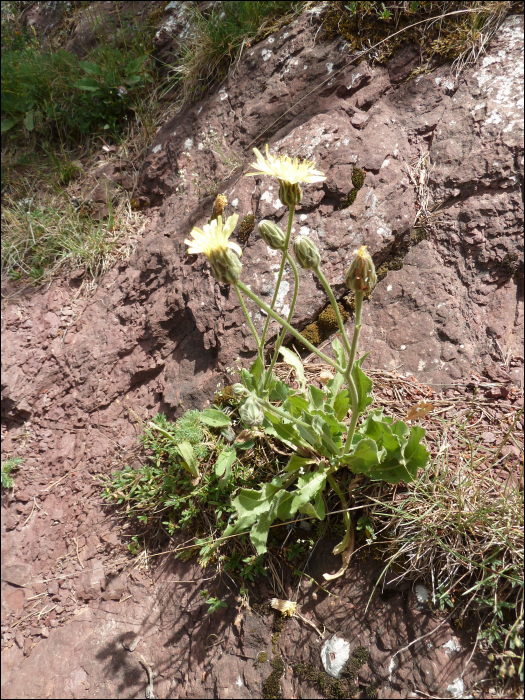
[[213, 238], [286, 169]]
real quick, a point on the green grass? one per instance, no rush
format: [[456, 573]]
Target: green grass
[[8, 467], [40, 240], [216, 42], [443, 31], [460, 529]]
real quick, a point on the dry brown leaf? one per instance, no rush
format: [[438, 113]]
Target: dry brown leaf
[[420, 410]]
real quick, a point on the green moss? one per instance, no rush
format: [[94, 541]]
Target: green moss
[[512, 265], [418, 234], [223, 397], [363, 24], [328, 686], [312, 333], [328, 320], [271, 687], [346, 686], [371, 691], [262, 658], [246, 228], [358, 178]]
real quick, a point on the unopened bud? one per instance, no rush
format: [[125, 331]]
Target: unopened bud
[[239, 390], [225, 266], [218, 207], [306, 252], [361, 277], [325, 377], [272, 235], [251, 412], [290, 195]]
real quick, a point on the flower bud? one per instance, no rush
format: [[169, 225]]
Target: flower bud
[[289, 194], [218, 207], [272, 235], [251, 412], [239, 390], [325, 377], [361, 277], [306, 252], [225, 266]]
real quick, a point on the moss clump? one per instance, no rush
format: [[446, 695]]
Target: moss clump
[[346, 686], [225, 396], [262, 658], [354, 663], [272, 685], [418, 235], [246, 228], [328, 686], [511, 264], [328, 320], [358, 180], [312, 333], [326, 324], [371, 691]]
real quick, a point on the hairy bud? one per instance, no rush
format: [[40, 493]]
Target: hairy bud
[[306, 252], [272, 235], [251, 412], [361, 277], [290, 194], [239, 390], [225, 266]]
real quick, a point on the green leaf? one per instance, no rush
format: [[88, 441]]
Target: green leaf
[[307, 488], [363, 385], [29, 120], [135, 65], [416, 454], [248, 380], [91, 68], [295, 462], [88, 84], [298, 402], [224, 464], [188, 455], [317, 397], [317, 510], [8, 124], [279, 392], [364, 457], [339, 352], [333, 387], [257, 369], [214, 418], [341, 404], [291, 359], [225, 460]]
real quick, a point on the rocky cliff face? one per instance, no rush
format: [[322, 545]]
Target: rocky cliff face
[[440, 208]]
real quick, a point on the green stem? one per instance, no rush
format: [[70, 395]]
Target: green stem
[[348, 373], [297, 421], [288, 327], [289, 319], [335, 307], [346, 515], [250, 322], [281, 269], [357, 328]]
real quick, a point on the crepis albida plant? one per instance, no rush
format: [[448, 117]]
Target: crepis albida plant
[[311, 421]]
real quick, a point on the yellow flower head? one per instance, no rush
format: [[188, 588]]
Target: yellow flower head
[[214, 237], [286, 169]]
